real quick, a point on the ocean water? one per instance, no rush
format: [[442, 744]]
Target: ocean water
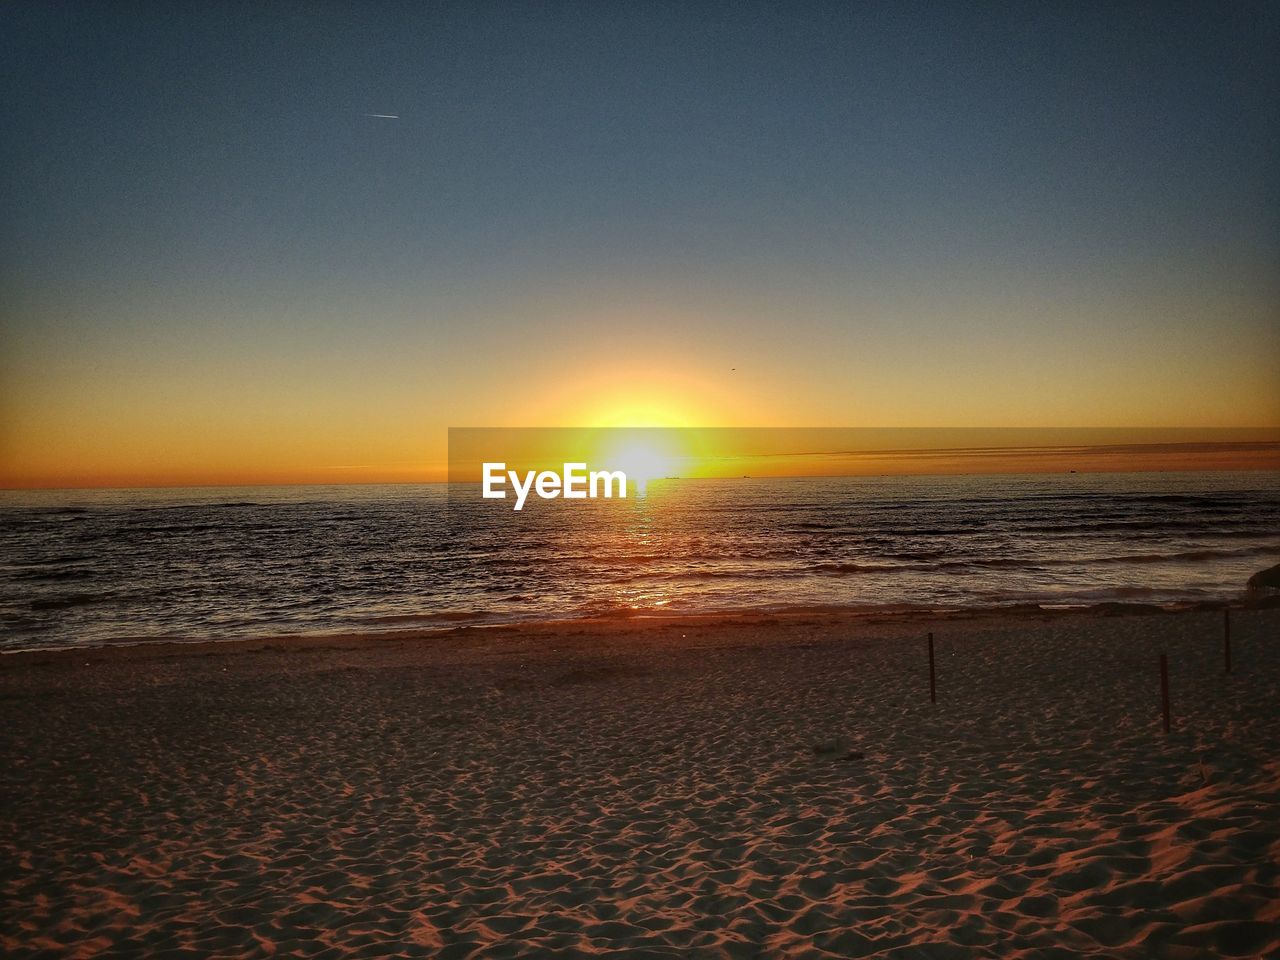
[[90, 567]]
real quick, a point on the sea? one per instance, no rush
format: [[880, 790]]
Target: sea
[[81, 567]]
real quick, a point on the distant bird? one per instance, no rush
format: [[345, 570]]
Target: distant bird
[[384, 116]]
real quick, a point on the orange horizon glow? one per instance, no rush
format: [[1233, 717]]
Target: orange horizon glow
[[297, 430], [1135, 450], [884, 466], [361, 409], [724, 453]]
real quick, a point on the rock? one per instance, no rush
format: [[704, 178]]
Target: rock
[[1265, 581]]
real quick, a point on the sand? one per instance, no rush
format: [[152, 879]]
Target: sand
[[751, 787]]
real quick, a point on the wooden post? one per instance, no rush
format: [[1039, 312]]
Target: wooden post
[[1164, 689], [1226, 637], [933, 685]]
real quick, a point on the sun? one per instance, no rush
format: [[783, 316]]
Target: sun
[[641, 462], [643, 455]]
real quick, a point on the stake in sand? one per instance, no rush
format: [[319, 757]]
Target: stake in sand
[[1164, 690], [933, 686], [1226, 638]]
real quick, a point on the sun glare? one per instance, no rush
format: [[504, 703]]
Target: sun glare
[[642, 456], [646, 414]]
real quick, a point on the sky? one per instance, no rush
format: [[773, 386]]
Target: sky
[[216, 267]]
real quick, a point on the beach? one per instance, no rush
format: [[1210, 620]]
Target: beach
[[736, 786], [642, 480]]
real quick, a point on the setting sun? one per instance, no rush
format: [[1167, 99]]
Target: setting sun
[[643, 455]]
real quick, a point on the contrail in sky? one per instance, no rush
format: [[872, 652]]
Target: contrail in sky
[[384, 116]]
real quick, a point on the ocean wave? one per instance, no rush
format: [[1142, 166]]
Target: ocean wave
[[443, 616], [847, 568], [1240, 527], [1037, 562], [177, 528], [609, 611], [1183, 556], [59, 559], [67, 600], [54, 576]]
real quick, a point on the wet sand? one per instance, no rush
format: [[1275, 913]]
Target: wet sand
[[749, 787]]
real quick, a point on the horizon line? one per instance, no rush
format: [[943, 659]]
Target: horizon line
[[268, 484]]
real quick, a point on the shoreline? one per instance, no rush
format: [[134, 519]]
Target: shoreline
[[843, 615]]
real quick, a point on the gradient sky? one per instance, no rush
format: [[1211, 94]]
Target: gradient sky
[[216, 268]]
